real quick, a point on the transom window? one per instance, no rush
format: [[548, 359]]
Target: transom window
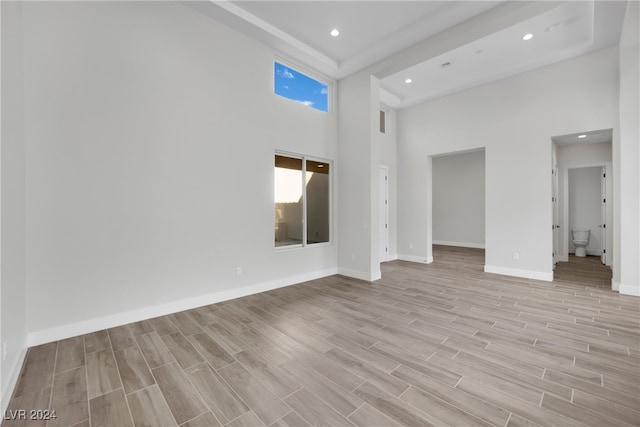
[[299, 87], [302, 201]]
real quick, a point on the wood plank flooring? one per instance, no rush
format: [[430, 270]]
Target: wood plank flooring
[[439, 344]]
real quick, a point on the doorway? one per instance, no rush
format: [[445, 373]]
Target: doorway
[[588, 157], [458, 199], [587, 209]]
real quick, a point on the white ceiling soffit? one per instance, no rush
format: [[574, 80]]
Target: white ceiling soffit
[[571, 29], [592, 137], [369, 30]]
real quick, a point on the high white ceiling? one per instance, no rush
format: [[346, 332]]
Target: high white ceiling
[[371, 31], [569, 30]]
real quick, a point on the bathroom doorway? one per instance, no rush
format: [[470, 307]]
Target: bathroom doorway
[[585, 194], [587, 211], [458, 199]]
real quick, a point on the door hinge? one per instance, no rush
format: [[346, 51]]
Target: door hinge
[[385, 226], [604, 175], [604, 251], [604, 200], [604, 225]]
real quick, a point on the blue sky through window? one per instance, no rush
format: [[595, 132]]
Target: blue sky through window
[[298, 87]]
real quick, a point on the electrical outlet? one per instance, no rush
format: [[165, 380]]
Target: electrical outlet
[[410, 245], [353, 257], [516, 255], [4, 351], [238, 271]]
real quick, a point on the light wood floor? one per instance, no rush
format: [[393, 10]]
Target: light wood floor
[[439, 344]]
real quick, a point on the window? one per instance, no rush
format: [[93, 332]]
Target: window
[[384, 120], [302, 189], [299, 87]]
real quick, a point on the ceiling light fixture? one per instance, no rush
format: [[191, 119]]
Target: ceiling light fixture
[[335, 32], [407, 81], [528, 36], [582, 136]]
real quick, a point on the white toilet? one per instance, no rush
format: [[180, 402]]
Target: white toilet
[[580, 240]]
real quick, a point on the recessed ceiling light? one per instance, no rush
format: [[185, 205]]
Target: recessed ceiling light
[[407, 81], [582, 136], [527, 36], [335, 32]]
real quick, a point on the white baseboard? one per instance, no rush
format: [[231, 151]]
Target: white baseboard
[[459, 244], [7, 390], [589, 252], [361, 275], [615, 285], [413, 258], [111, 321], [527, 274], [629, 290]]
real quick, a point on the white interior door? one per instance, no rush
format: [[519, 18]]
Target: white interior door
[[384, 214], [556, 217], [603, 226]]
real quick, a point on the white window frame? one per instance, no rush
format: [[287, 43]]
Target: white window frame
[[303, 174], [300, 68]]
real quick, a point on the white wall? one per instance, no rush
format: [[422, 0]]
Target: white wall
[[584, 154], [13, 321], [514, 119], [458, 199], [358, 173], [585, 210], [627, 155], [151, 131], [388, 157]]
